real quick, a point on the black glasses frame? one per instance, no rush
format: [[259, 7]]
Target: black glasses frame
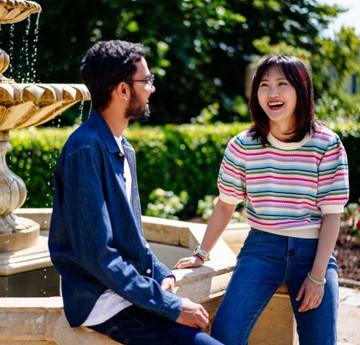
[[150, 80]]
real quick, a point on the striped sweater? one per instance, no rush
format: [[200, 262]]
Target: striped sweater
[[287, 187]]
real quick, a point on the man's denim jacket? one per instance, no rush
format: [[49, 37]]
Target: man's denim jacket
[[96, 241]]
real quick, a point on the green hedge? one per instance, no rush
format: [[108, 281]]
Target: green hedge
[[32, 157], [171, 157]]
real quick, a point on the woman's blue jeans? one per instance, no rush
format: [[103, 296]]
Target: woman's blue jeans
[[135, 326], [265, 262]]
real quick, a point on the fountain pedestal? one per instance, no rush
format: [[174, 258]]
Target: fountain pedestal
[[29, 272], [16, 233]]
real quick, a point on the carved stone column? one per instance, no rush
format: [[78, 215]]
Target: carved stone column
[[15, 232]]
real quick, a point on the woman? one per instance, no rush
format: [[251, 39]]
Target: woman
[[292, 173]]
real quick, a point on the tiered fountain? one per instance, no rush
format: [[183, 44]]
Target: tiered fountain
[[22, 248]]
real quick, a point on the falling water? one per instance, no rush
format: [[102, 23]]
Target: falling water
[[81, 111], [28, 54], [24, 54], [32, 69], [11, 47]]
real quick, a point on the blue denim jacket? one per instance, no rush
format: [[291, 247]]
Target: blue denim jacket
[[96, 241]]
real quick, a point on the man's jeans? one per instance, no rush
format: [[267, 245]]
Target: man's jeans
[[265, 262], [135, 326]]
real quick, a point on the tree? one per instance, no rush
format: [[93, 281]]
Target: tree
[[336, 62], [198, 49]]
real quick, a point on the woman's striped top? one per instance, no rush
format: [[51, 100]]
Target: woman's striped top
[[287, 187]]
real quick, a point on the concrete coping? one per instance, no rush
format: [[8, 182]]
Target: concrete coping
[[38, 321]]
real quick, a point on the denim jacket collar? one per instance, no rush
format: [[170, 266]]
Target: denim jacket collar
[[104, 131]]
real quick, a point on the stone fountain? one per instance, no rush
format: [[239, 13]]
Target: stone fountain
[[24, 105]]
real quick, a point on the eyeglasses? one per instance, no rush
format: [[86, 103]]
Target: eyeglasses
[[149, 80]]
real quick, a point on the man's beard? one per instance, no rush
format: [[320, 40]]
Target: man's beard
[[136, 110]]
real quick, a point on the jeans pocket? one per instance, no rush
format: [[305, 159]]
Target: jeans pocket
[[111, 330], [115, 333]]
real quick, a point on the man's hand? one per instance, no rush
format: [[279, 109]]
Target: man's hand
[[193, 315], [168, 283]]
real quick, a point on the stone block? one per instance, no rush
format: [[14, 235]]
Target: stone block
[[276, 322]]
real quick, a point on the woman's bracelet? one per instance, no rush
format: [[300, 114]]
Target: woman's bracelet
[[199, 256], [315, 281]]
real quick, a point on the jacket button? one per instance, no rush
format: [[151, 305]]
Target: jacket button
[[148, 271]]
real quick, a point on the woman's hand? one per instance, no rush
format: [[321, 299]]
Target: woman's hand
[[191, 261], [311, 295], [217, 223]]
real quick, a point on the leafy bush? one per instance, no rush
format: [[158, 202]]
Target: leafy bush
[[206, 207], [180, 158], [32, 157], [351, 218], [349, 133], [173, 158], [166, 204]]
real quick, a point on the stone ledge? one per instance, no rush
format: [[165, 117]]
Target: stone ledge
[[42, 321]]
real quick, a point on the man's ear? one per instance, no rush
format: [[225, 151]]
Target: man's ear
[[122, 90]]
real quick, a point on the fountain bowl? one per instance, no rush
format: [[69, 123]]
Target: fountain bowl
[[13, 11]]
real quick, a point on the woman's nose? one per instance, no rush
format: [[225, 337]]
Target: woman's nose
[[273, 91]]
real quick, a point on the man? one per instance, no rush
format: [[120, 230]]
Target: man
[[111, 280]]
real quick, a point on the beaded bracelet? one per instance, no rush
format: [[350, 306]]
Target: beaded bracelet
[[315, 281]]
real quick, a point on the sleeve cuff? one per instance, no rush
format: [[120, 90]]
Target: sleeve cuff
[[327, 209], [229, 199]]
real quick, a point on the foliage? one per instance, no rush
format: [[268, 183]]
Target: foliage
[[172, 158], [335, 63], [350, 135], [206, 207], [264, 47], [185, 157], [340, 109], [351, 217], [166, 204], [339, 56], [33, 157], [198, 49]]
